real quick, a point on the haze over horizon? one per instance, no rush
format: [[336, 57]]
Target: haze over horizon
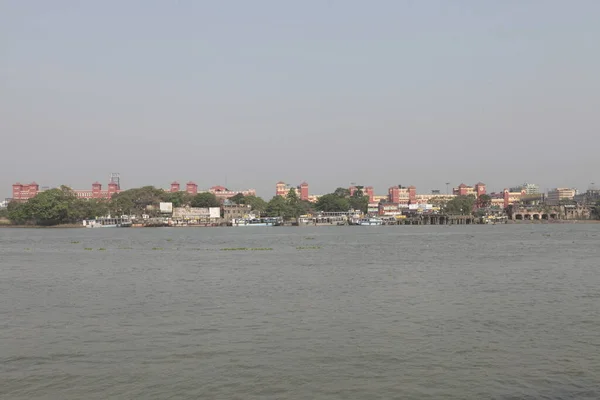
[[245, 94]]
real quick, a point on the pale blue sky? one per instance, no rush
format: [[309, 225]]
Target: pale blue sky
[[247, 93]]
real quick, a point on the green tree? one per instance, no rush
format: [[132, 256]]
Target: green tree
[[136, 201], [51, 207], [596, 210], [460, 205], [358, 201], [277, 207], [237, 199], [255, 202], [3, 213], [294, 206], [342, 192], [81, 209], [179, 199], [332, 203], [205, 200], [18, 213], [484, 201]]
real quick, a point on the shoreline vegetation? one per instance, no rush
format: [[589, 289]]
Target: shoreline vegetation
[[61, 208], [79, 226]]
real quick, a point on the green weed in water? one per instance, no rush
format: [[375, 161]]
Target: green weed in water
[[88, 248], [169, 240], [247, 248], [101, 249], [157, 248], [308, 247], [75, 242]]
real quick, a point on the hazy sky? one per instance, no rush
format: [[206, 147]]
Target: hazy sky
[[247, 93]]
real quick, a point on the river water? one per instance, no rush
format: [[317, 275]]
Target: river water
[[402, 312]]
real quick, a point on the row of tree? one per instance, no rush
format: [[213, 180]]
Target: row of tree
[[61, 206]]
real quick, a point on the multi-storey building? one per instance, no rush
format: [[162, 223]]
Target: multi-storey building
[[282, 189], [464, 190], [222, 193], [190, 187], [97, 192], [530, 188], [25, 192], [402, 195], [557, 195], [21, 192]]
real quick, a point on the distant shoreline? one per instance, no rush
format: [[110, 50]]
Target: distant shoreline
[[63, 226], [78, 226]]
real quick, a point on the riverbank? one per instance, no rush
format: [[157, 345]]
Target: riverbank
[[62, 226]]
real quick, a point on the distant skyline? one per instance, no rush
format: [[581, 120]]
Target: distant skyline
[[245, 94]]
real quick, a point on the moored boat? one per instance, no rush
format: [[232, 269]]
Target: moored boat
[[107, 222], [256, 222], [372, 221]]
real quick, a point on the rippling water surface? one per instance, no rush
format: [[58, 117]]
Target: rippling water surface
[[472, 312]]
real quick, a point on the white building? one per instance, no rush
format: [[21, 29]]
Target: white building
[[555, 196]]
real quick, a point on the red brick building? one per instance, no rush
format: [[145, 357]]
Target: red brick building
[[282, 189], [97, 192], [191, 188], [222, 193], [402, 195], [22, 192], [464, 190]]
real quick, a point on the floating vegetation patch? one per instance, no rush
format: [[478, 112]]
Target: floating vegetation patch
[[169, 240], [308, 247], [88, 248], [247, 249], [157, 248], [75, 242], [101, 249], [309, 238], [27, 249]]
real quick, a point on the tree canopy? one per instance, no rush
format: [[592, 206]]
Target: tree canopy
[[55, 206], [205, 199], [332, 203], [484, 201], [341, 201], [277, 207], [460, 205], [255, 202], [135, 201], [237, 199], [179, 199]]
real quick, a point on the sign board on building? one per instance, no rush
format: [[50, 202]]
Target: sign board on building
[[166, 208], [196, 213]]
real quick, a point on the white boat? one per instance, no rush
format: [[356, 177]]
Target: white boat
[[107, 223], [372, 221], [256, 222]]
